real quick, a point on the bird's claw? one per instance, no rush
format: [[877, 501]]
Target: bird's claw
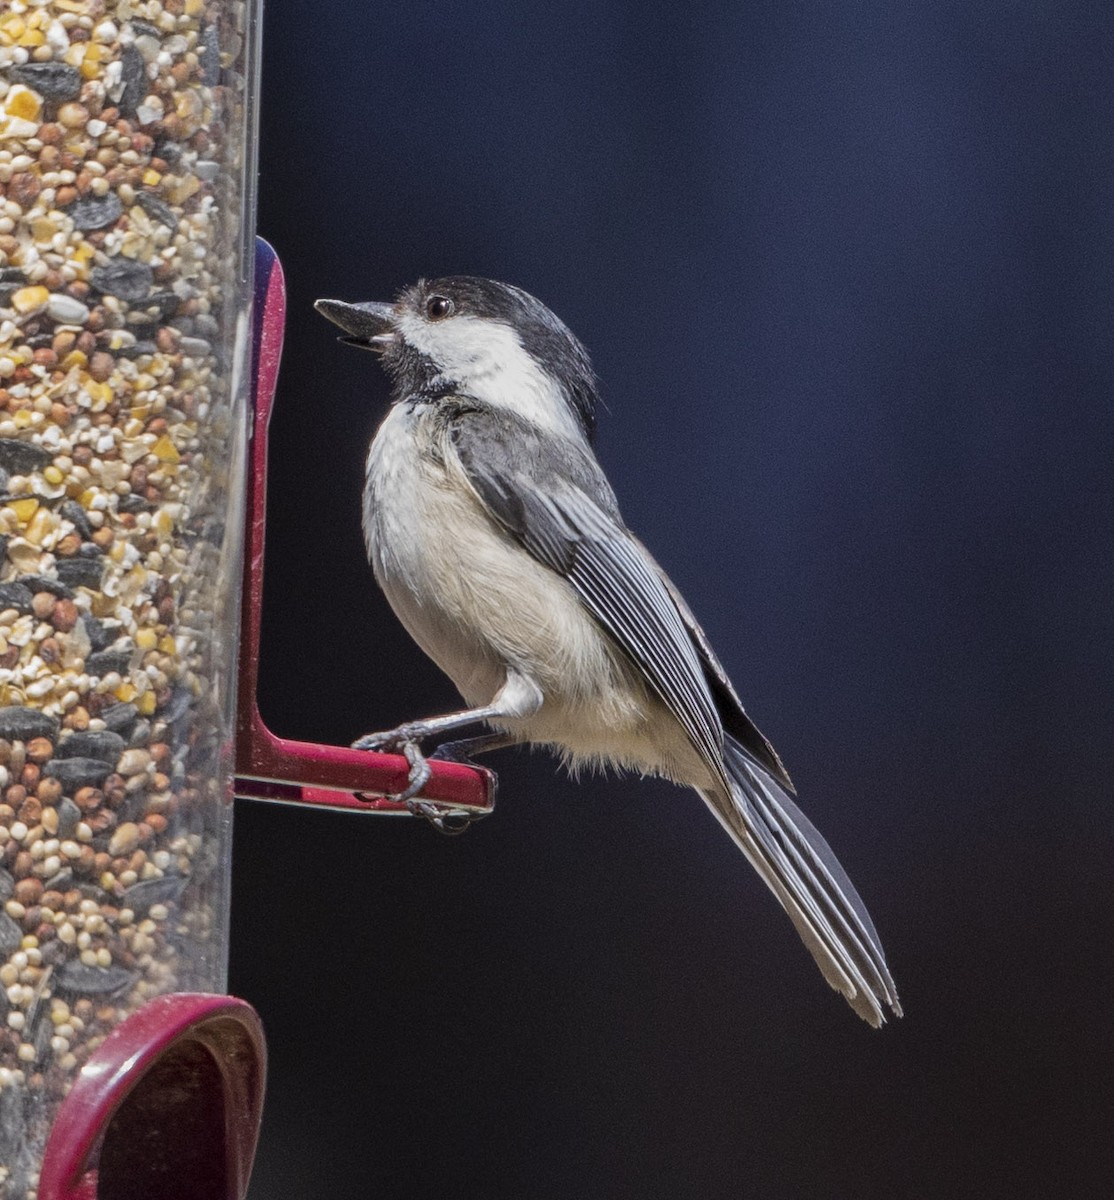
[[399, 741], [419, 773], [443, 817]]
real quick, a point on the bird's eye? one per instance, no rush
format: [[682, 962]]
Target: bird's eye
[[439, 307]]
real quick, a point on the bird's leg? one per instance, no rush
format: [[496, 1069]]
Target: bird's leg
[[518, 697]]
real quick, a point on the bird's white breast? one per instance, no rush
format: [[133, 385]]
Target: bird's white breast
[[477, 603]]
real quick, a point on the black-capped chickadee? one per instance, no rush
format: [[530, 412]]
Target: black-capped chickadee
[[498, 542]]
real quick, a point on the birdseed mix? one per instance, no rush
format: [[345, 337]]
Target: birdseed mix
[[125, 168]]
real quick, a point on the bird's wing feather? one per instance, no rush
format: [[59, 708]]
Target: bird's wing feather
[[732, 714], [555, 501]]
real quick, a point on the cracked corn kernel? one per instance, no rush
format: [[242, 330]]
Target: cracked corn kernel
[[28, 299], [165, 450], [21, 102], [41, 524], [24, 509], [146, 638]]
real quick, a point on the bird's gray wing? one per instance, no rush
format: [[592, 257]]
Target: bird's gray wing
[[732, 714], [551, 495]]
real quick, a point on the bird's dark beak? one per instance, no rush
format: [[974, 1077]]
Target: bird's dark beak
[[369, 326]]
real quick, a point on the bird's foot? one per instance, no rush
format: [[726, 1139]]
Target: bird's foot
[[404, 740], [391, 741]]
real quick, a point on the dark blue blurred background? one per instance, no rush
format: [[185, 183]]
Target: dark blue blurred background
[[845, 271]]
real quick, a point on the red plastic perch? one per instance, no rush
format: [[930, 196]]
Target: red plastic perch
[[273, 768]]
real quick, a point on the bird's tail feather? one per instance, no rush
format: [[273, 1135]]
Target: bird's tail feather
[[799, 867]]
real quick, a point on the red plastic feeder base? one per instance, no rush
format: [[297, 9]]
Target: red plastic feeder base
[[167, 1108]]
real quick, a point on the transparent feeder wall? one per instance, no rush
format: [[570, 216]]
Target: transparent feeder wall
[[126, 168]]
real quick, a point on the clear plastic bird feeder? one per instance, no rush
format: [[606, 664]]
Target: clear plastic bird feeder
[[126, 234]]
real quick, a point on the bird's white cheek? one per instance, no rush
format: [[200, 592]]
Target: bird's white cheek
[[487, 360]]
